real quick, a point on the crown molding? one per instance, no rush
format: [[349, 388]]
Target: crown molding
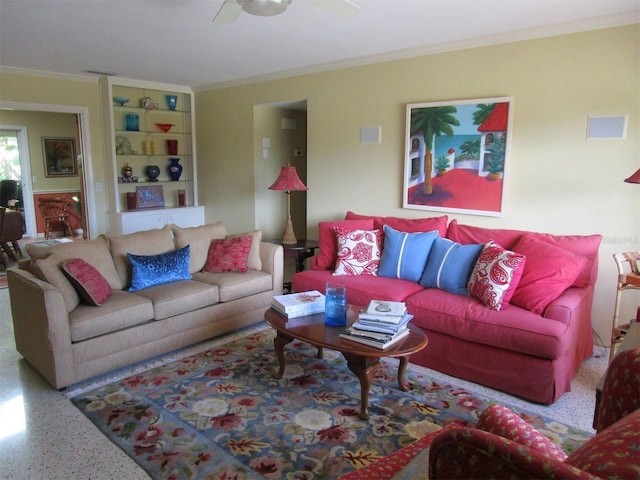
[[51, 75]]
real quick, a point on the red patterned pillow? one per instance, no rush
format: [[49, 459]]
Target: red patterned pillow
[[229, 254], [495, 275], [501, 421], [88, 282], [612, 453], [358, 252], [326, 258]]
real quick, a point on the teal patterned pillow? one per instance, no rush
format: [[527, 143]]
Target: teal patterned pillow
[[150, 270]]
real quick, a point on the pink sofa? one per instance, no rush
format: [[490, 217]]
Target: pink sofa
[[531, 352]]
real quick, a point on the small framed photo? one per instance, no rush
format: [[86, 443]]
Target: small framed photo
[[59, 157], [150, 197]]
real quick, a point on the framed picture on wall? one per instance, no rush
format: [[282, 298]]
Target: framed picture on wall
[[457, 155], [59, 157]]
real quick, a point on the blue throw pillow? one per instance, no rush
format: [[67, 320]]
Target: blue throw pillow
[[449, 266], [150, 270], [405, 254]]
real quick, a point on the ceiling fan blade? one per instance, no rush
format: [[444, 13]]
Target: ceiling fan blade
[[228, 13], [343, 8]]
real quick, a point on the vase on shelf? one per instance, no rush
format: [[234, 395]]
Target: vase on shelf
[[174, 169], [172, 101], [153, 172]]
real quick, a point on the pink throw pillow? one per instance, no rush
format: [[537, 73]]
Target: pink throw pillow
[[358, 252], [356, 216], [550, 270], [326, 258], [501, 421], [229, 254], [495, 275], [414, 225], [92, 287]]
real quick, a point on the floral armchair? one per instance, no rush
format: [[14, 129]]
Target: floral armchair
[[502, 445]]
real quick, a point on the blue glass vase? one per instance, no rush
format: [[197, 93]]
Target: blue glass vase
[[174, 169], [172, 101]]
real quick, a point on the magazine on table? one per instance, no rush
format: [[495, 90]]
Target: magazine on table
[[299, 302], [375, 335], [372, 342], [381, 327]]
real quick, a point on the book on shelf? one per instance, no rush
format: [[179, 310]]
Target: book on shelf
[[312, 300], [374, 342]]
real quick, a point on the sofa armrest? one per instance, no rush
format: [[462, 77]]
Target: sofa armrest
[[41, 326], [272, 258], [466, 452]]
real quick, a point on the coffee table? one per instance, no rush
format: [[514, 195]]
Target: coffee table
[[361, 359]]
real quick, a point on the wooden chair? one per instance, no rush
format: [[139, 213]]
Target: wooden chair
[[55, 210], [628, 279]]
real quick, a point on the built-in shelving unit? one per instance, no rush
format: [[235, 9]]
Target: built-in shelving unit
[[135, 114]]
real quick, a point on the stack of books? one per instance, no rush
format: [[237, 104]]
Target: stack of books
[[299, 304], [380, 325]]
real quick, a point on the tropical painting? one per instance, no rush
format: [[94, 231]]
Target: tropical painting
[[457, 155]]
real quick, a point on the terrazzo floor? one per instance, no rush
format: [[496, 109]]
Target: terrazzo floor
[[43, 436]]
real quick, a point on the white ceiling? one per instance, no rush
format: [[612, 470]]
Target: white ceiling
[[174, 41]]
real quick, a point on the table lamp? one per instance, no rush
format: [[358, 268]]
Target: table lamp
[[288, 181], [635, 178]]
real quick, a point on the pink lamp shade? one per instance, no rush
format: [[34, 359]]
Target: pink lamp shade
[[288, 181], [635, 178]]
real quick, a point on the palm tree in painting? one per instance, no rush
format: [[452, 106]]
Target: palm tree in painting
[[432, 122], [470, 148], [483, 111]]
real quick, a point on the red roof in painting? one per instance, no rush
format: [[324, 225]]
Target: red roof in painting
[[497, 120]]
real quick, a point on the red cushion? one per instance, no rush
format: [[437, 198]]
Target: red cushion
[[92, 287], [505, 423], [412, 225], [496, 275], [612, 453], [229, 254], [583, 245], [549, 271], [356, 216], [326, 258]]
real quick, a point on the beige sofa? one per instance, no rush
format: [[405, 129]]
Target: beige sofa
[[67, 340]]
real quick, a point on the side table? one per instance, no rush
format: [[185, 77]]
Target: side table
[[303, 249]]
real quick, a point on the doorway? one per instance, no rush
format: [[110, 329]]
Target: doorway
[[30, 148]]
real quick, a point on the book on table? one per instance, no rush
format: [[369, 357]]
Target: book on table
[[298, 304], [381, 327], [381, 343]]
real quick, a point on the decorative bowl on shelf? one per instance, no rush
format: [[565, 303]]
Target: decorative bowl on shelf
[[121, 100], [165, 127]]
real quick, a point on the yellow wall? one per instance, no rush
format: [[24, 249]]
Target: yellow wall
[[53, 91], [558, 181], [50, 125]]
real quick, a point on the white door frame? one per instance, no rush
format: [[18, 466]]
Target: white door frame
[[25, 175], [87, 162]]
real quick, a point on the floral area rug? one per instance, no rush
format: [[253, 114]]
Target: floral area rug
[[220, 414]]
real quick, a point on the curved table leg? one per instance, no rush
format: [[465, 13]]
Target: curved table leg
[[279, 342], [364, 368], [402, 368]]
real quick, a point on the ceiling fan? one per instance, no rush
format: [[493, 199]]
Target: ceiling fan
[[231, 9]]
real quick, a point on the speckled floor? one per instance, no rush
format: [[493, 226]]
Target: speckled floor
[[43, 436]]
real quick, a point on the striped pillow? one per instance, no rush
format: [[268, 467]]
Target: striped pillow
[[404, 255], [449, 266]]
